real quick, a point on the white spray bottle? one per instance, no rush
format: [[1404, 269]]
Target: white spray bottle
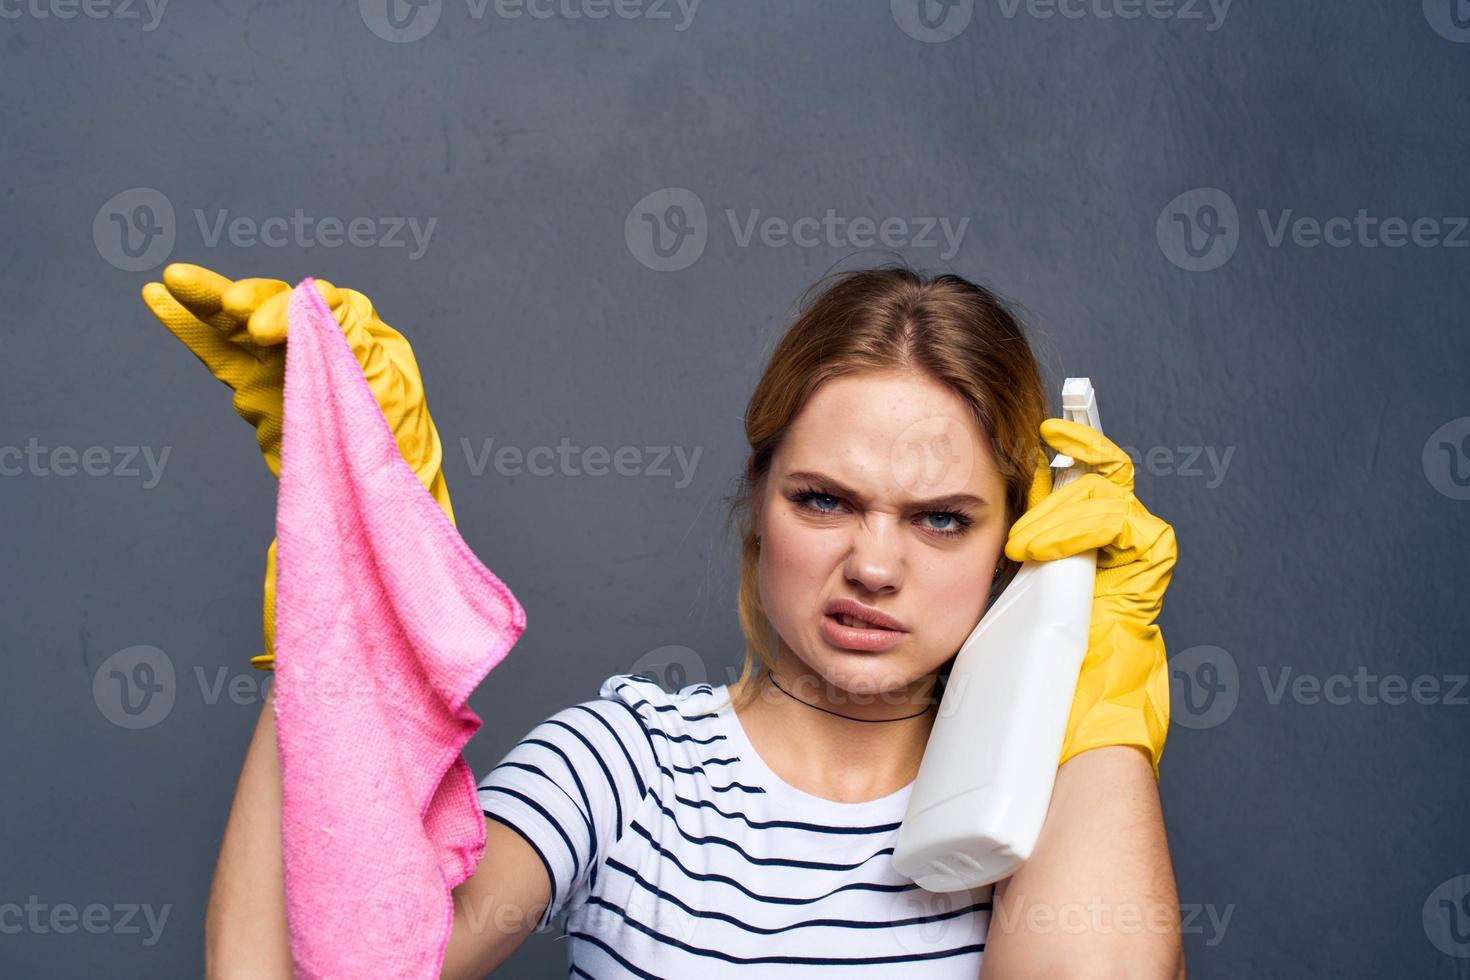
[[985, 782]]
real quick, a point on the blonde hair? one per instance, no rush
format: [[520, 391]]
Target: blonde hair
[[892, 317]]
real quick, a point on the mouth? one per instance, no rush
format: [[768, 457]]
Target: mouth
[[852, 633]]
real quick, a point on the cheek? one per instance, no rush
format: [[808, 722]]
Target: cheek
[[797, 563], [954, 594], [954, 588]]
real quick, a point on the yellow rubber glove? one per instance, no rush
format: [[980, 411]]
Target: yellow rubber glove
[[238, 329], [1123, 688]]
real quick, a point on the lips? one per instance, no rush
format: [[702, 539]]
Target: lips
[[853, 638], [851, 625], [854, 614]]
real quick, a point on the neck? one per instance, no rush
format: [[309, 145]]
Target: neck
[[833, 743]]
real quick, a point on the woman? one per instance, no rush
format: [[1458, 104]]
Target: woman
[[748, 828]]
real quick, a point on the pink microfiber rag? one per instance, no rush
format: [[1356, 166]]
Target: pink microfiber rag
[[385, 622]]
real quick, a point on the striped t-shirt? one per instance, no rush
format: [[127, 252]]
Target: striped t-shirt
[[677, 852]]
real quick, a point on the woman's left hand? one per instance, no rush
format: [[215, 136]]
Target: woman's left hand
[[1122, 693]]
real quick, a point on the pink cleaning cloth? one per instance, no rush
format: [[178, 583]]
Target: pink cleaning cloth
[[385, 622]]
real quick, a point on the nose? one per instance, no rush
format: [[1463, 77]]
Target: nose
[[875, 560]]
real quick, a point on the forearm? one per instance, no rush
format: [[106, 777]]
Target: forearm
[[245, 925], [1097, 897]]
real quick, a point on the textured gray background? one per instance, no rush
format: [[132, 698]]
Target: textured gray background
[[1328, 833]]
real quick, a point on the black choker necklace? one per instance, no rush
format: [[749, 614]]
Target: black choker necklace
[[772, 679]]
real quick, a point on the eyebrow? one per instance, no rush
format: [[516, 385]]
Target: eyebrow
[[949, 502]]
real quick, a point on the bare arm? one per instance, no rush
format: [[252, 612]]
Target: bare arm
[[497, 907], [245, 926], [245, 935], [1097, 898]]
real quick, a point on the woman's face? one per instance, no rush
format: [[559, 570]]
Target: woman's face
[[884, 491]]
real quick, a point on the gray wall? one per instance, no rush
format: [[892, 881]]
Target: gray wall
[[1299, 410]]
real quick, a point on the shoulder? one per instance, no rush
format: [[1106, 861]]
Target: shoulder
[[641, 694], [632, 727], [659, 711]]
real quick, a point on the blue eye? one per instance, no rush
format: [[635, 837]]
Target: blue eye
[[807, 496], [957, 519], [958, 523]]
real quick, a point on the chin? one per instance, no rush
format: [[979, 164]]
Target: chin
[[864, 675]]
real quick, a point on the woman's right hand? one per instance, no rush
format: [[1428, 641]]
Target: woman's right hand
[[237, 328]]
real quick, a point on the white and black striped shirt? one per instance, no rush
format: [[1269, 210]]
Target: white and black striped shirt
[[677, 852]]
